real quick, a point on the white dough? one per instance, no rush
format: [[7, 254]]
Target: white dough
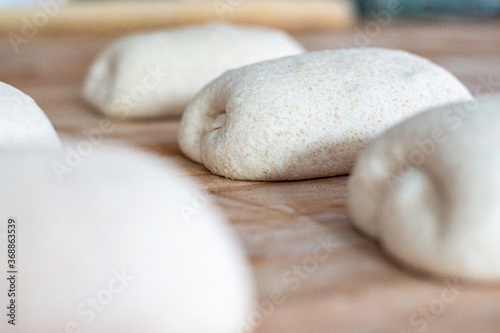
[[22, 122], [121, 244], [309, 115], [156, 74], [429, 190]]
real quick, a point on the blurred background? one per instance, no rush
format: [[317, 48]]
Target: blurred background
[[434, 8], [120, 16], [411, 8]]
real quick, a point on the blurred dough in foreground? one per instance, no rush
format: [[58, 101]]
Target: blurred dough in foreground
[[121, 243], [156, 74]]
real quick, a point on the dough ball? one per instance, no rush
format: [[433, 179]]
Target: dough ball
[[309, 115], [22, 122], [156, 74], [121, 244], [429, 190]]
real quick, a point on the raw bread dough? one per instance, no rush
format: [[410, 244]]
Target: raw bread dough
[[308, 116], [122, 244], [156, 74], [429, 189], [22, 122]]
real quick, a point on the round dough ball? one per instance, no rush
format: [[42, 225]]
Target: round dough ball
[[22, 122], [156, 74], [121, 244], [429, 189], [308, 116]]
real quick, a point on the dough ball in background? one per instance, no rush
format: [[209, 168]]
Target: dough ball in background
[[429, 190], [22, 122], [121, 244], [156, 74], [308, 116]]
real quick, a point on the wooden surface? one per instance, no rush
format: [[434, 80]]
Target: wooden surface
[[352, 287]]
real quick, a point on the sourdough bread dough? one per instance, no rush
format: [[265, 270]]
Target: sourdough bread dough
[[429, 190], [309, 115], [22, 122], [156, 74], [121, 244]]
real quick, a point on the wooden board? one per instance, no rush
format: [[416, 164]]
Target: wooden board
[[304, 286]]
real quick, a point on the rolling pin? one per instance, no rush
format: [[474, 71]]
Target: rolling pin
[[60, 17]]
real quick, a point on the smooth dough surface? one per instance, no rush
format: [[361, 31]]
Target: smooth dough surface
[[309, 115], [121, 244], [429, 189], [22, 122], [156, 74]]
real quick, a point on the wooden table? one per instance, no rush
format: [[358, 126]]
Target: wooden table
[[315, 273]]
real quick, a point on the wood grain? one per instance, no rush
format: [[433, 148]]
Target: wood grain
[[315, 272]]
